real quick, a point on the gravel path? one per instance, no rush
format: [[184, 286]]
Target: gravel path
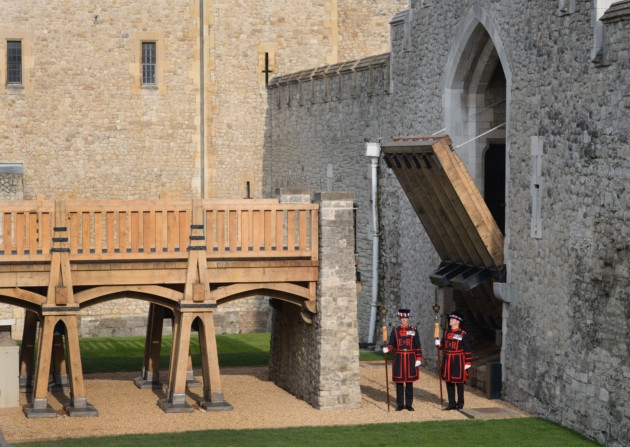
[[258, 403]]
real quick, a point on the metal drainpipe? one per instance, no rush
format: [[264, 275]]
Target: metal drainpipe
[[373, 150], [202, 102]]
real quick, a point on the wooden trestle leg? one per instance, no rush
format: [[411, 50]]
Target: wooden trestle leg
[[212, 391], [60, 309], [191, 382], [59, 372], [27, 353], [195, 305], [175, 401], [39, 407], [150, 374], [79, 405]]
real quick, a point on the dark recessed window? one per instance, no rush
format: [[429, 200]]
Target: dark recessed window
[[148, 63], [14, 62]]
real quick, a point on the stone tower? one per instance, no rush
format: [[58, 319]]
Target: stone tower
[[120, 99]]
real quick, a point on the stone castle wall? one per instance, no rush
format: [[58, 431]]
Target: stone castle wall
[[317, 139], [128, 318], [319, 361], [81, 112], [82, 126], [565, 353]]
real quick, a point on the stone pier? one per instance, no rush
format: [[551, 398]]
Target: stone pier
[[318, 361]]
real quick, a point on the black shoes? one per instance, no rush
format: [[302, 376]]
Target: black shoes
[[410, 408], [451, 407], [399, 408]]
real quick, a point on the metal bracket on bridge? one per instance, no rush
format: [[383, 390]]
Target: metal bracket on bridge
[[463, 277]]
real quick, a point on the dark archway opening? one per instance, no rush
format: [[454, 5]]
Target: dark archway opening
[[494, 183], [479, 93]]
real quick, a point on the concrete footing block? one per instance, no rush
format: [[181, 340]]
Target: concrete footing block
[[39, 409], [176, 404], [82, 412], [216, 402], [81, 408], [215, 406], [144, 384]]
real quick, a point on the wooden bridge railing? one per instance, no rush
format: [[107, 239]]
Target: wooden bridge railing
[[158, 230]]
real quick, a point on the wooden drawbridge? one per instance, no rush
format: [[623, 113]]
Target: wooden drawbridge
[[184, 257], [455, 217]]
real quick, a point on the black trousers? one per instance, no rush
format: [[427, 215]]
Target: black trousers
[[404, 393], [450, 390]]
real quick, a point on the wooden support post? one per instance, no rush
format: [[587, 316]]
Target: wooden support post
[[176, 324], [175, 401], [150, 374], [39, 407], [27, 353], [197, 288], [212, 391], [59, 372], [191, 382], [78, 407], [60, 292]]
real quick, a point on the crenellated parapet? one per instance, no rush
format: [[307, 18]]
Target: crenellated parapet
[[329, 83]]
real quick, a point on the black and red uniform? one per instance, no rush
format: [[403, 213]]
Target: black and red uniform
[[457, 354], [404, 343]]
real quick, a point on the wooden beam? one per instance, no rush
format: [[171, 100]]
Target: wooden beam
[[213, 398], [175, 401], [150, 372], [27, 351]]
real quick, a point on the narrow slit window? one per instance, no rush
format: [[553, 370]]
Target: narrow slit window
[[148, 63], [14, 62]]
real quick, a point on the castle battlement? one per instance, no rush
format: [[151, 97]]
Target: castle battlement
[[336, 82]]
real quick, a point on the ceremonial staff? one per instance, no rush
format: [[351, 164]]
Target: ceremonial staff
[[436, 335], [385, 357]]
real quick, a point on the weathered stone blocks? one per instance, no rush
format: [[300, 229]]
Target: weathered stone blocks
[[320, 362]]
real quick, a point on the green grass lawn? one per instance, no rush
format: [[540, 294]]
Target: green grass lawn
[[125, 354], [531, 432]]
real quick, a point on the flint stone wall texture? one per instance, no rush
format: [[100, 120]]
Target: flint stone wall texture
[[317, 138], [565, 352], [319, 362]]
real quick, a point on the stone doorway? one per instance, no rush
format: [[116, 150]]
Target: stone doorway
[[476, 104]]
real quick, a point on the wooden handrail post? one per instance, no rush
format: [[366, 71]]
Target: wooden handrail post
[[197, 288], [60, 284]]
